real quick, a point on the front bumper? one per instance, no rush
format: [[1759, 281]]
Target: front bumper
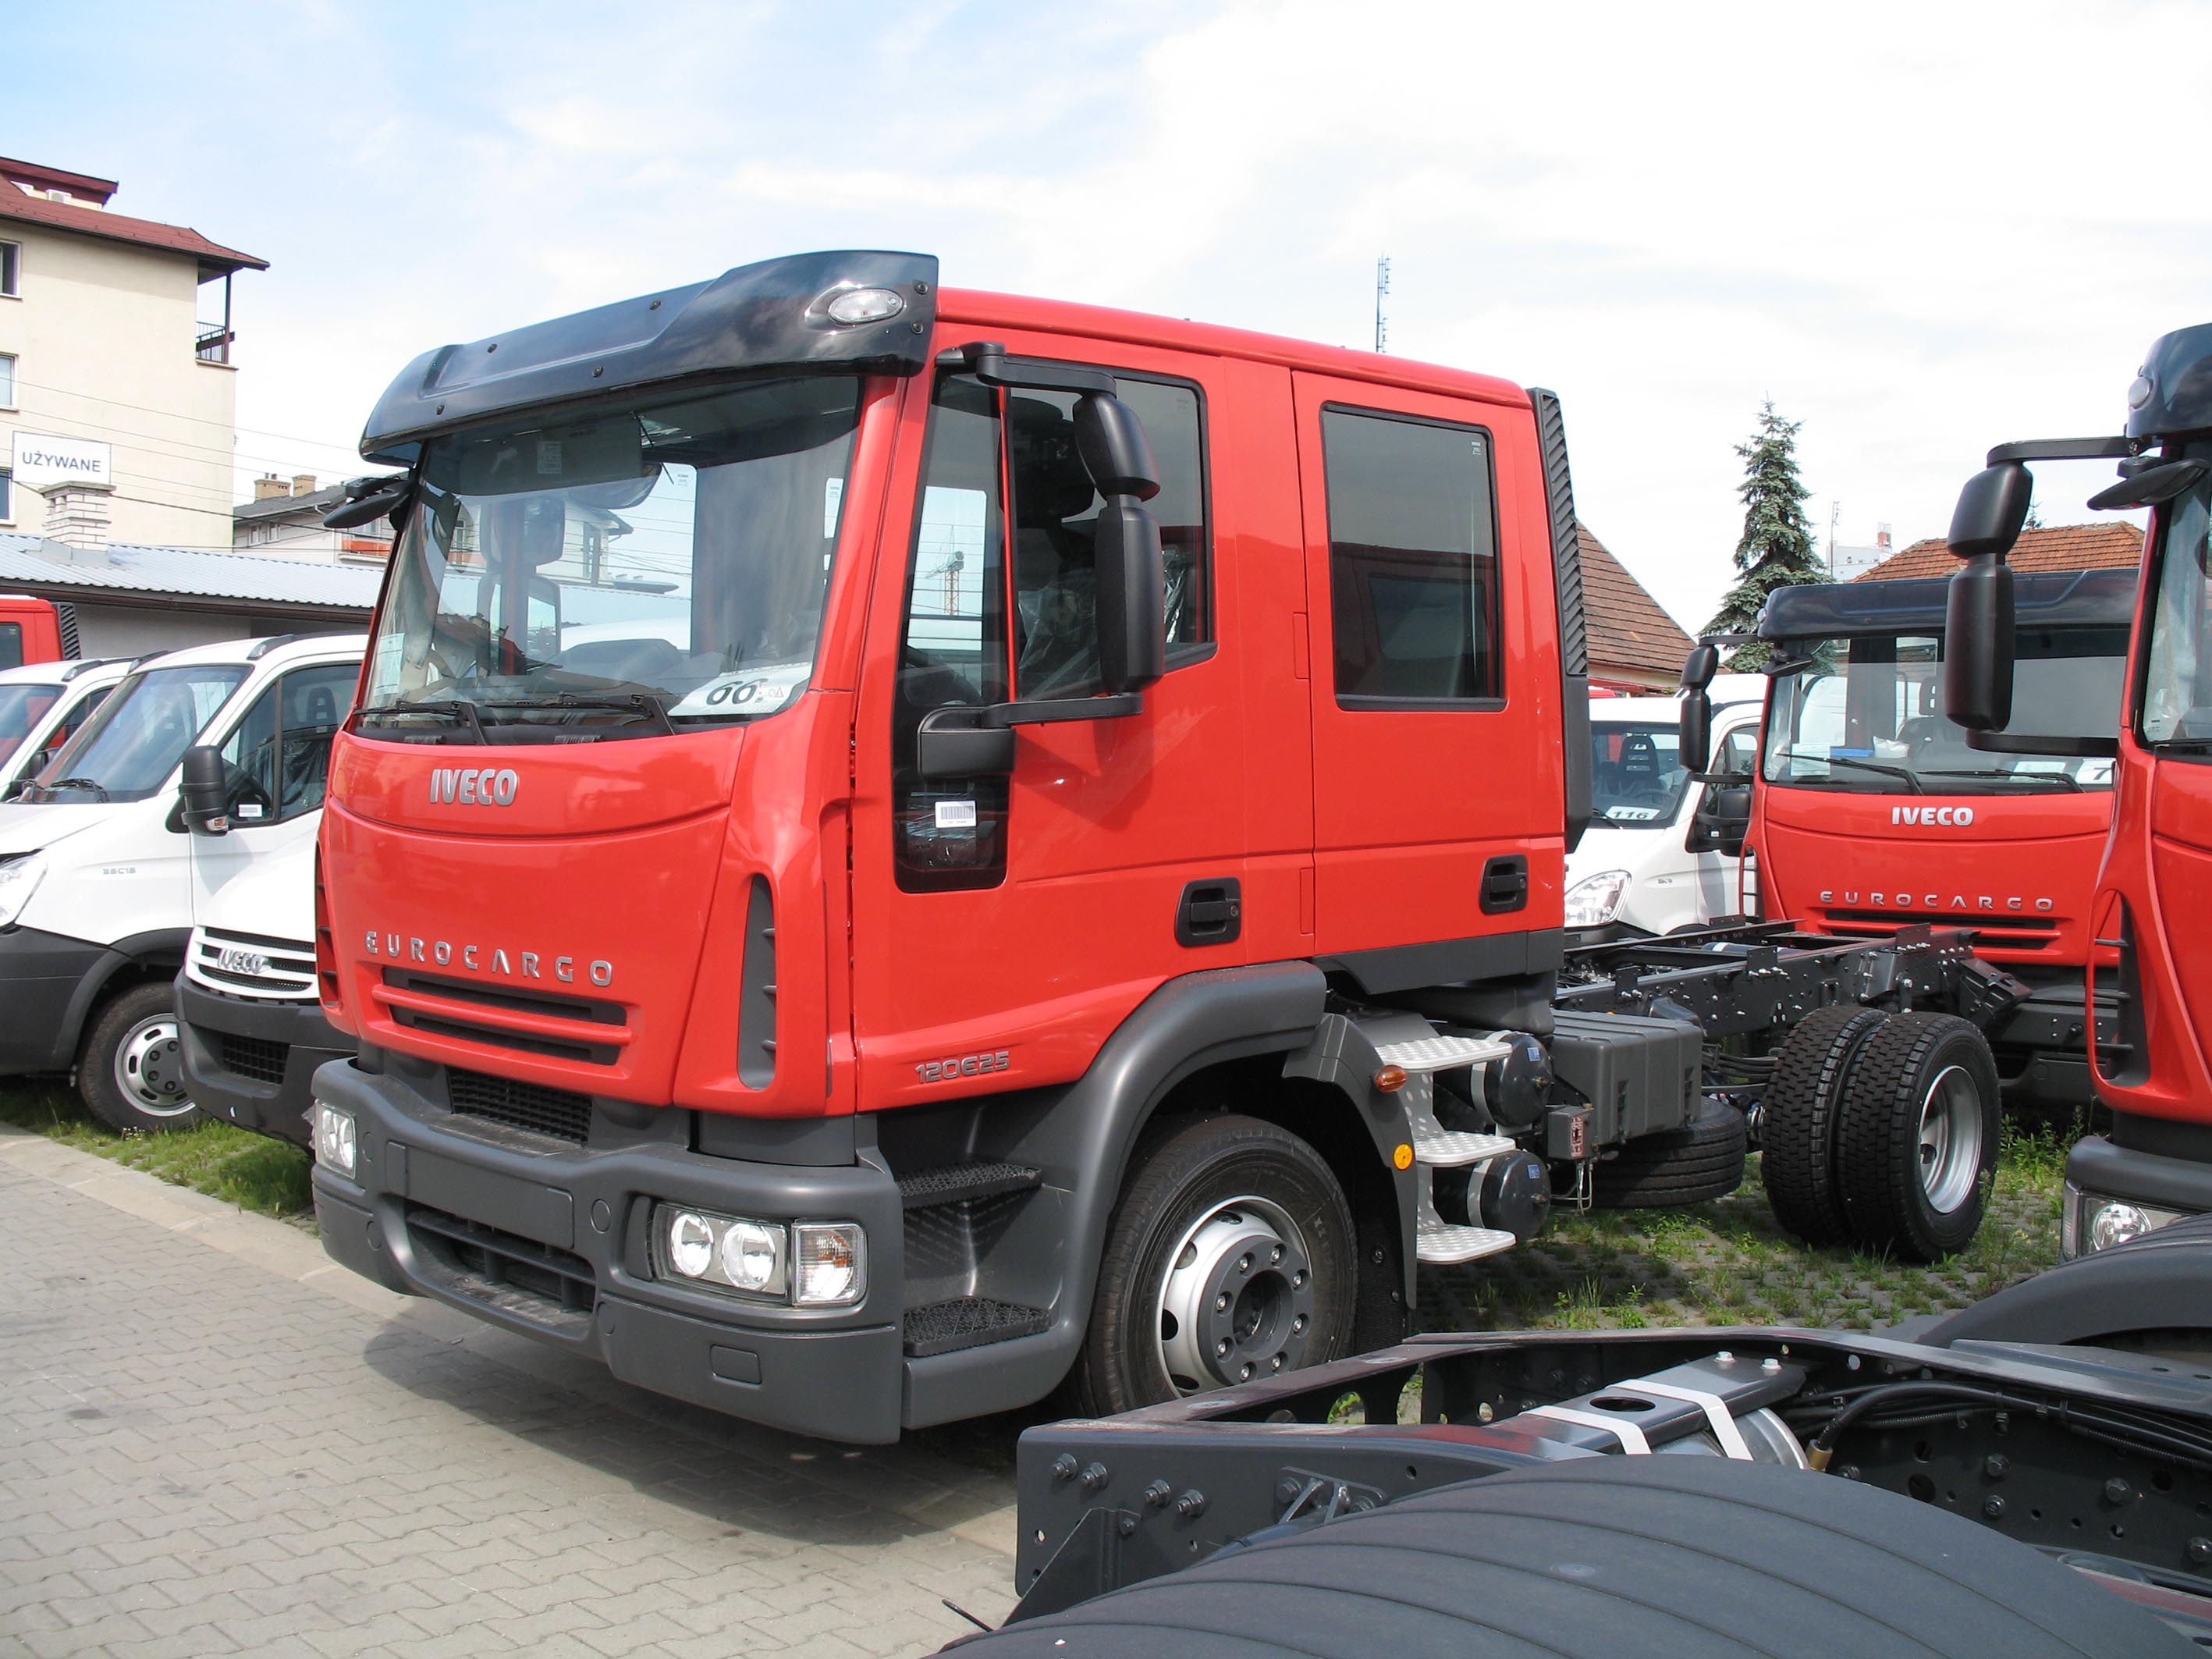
[[2098, 1168], [569, 1230], [222, 1033], [42, 977]]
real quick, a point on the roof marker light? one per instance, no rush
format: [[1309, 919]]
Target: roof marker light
[[864, 305]]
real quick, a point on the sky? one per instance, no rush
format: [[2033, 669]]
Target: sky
[[1918, 229]]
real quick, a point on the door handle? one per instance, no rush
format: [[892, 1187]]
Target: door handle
[[1210, 912]]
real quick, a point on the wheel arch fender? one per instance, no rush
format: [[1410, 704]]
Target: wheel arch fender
[[159, 954]]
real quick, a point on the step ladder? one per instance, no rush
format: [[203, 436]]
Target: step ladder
[[1421, 1051]]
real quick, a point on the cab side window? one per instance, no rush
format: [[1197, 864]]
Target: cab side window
[[1736, 752], [279, 755], [1055, 514], [1412, 561]]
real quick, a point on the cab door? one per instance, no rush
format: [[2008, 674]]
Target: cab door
[[277, 758], [1437, 772], [1004, 926]]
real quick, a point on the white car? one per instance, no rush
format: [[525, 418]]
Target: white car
[[1635, 871], [251, 1016], [41, 706], [101, 881]]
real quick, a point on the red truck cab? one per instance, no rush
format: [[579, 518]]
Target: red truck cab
[[35, 631], [1872, 811], [2152, 895]]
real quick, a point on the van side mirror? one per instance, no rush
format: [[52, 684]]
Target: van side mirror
[[205, 792], [1700, 667], [1978, 644], [1991, 510], [1132, 574], [1693, 737]]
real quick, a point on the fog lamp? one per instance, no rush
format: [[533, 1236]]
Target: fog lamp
[[732, 1252], [2092, 1221], [690, 1243], [833, 1263], [336, 1147], [752, 1254]]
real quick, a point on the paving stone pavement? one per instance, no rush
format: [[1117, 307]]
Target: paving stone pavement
[[212, 1442]]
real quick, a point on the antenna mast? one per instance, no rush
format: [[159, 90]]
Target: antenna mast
[[1382, 287]]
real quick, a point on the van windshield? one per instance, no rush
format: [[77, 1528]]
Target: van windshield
[[21, 709], [622, 571], [1864, 714], [128, 749], [1636, 779]]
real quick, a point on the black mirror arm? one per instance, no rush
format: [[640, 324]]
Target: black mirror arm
[[1052, 711], [987, 359]]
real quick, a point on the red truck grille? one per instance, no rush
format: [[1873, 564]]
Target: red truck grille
[[531, 1106], [2011, 933], [579, 1029]]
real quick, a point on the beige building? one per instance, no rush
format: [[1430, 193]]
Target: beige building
[[116, 395]]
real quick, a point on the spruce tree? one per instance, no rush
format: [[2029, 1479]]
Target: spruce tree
[[1777, 550]]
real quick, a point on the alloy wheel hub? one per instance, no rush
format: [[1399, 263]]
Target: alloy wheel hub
[[1237, 1302]]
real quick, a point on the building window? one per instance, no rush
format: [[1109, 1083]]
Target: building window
[[7, 496], [1413, 560], [7, 382], [11, 269]]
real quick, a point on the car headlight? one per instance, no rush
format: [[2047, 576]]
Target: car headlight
[[1596, 900], [336, 1147], [19, 879], [731, 1252], [2098, 1221]]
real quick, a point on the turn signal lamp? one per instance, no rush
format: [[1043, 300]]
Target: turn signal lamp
[[1390, 1079]]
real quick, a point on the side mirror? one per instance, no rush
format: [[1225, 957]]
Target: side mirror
[[1978, 644], [205, 794], [1700, 667], [369, 499], [1721, 821], [1693, 739], [1132, 575], [1991, 509]]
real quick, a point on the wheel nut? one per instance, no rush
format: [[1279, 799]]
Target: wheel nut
[[1276, 1363], [1245, 1374], [1244, 1264], [1275, 1254], [1297, 1324], [2200, 1550], [1221, 1349], [1221, 1302]]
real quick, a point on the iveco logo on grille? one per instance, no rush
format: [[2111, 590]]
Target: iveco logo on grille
[[1957, 817], [252, 963], [476, 786]]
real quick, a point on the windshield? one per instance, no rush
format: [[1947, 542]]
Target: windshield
[[619, 572], [2177, 700], [21, 709], [1636, 779], [127, 750], [1866, 714]]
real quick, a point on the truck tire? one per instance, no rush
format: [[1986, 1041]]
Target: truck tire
[[1230, 1255], [1918, 1138], [1600, 1557], [1797, 1121], [131, 1070], [1693, 1165]]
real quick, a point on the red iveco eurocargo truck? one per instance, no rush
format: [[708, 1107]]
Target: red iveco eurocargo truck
[[35, 631], [899, 848], [1871, 811], [2153, 904]]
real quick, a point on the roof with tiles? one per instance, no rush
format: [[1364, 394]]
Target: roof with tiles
[[2061, 547], [1627, 629], [17, 203]]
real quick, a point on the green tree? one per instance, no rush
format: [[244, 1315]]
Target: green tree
[[1777, 550]]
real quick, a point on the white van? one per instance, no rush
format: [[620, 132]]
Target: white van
[[1635, 871], [41, 707], [251, 1015], [100, 882]]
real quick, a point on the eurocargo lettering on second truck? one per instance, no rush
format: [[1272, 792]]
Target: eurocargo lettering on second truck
[[2153, 904], [900, 848]]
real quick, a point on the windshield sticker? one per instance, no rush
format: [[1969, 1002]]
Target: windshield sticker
[[548, 457], [833, 491], [748, 691], [1632, 814], [956, 815], [249, 809]]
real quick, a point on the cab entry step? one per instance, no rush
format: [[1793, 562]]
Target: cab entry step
[[969, 1323]]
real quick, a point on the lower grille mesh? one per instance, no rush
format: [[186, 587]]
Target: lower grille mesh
[[255, 1057], [531, 1106]]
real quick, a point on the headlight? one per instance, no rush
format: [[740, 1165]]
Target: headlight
[[732, 1252], [19, 879], [336, 1146], [2098, 1221], [1595, 900], [833, 1263]]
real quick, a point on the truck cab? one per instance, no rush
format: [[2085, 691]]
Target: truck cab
[[41, 707], [35, 630], [1873, 810], [1646, 867], [101, 878]]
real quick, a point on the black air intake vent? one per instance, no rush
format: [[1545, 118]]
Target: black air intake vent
[[530, 1106]]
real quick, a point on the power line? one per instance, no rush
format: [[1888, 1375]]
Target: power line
[[174, 414]]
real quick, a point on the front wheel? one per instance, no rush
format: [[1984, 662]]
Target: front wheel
[[1230, 1257], [131, 1070]]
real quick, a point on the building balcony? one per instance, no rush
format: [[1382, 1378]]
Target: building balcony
[[212, 341]]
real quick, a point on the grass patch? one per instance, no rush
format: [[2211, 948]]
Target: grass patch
[[251, 1171], [1729, 1263]]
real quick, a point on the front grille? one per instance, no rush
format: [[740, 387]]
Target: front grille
[[255, 1057], [252, 965], [531, 1106], [2010, 932], [460, 996], [553, 1286]]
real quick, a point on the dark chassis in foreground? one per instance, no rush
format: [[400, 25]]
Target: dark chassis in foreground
[[2032, 1475]]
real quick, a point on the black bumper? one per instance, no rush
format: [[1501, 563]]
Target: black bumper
[[580, 1220], [222, 1033], [46, 984], [2099, 1165]]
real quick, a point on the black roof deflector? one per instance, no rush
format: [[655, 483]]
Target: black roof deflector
[[767, 316], [2042, 599]]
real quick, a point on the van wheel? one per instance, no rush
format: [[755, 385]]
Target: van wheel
[[1230, 1257], [1918, 1139], [1694, 1164], [1798, 1120], [131, 1070]]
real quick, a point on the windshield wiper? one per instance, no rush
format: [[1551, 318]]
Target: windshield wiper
[[2181, 746], [1904, 772], [92, 784], [458, 710], [638, 705], [2065, 781]]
